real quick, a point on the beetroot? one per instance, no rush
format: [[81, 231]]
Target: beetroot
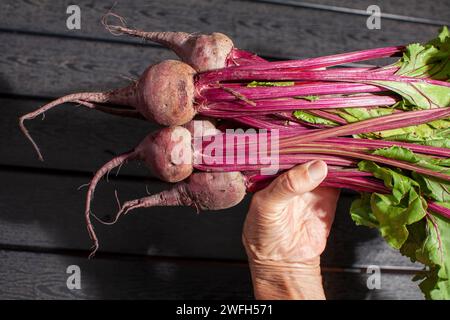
[[202, 190], [167, 153], [203, 52], [164, 94]]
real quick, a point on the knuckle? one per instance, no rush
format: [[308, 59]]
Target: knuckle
[[292, 181]]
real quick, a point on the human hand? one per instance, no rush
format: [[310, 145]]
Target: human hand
[[286, 231]]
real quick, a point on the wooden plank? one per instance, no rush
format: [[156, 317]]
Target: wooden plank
[[59, 66], [349, 285], [49, 214], [26, 275], [438, 10], [71, 138], [267, 29]]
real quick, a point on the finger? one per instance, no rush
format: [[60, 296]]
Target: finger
[[296, 181]]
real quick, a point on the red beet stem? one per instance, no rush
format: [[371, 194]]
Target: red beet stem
[[439, 209], [375, 144], [392, 121], [232, 109], [313, 88], [371, 157], [241, 57], [253, 162], [330, 60], [263, 123], [321, 75]]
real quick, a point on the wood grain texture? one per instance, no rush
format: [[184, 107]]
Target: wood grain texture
[[71, 138], [55, 220], [51, 67], [28, 275], [267, 29], [438, 10]]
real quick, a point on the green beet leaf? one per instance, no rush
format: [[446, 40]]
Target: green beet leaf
[[418, 95], [404, 219], [310, 118], [429, 244], [428, 60], [393, 212]]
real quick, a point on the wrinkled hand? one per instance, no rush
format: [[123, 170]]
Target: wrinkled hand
[[286, 231]]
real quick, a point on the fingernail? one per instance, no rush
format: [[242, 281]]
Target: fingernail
[[317, 170]]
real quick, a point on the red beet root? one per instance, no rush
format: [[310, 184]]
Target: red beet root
[[201, 51], [164, 94]]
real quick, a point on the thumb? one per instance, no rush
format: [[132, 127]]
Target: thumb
[[298, 180]]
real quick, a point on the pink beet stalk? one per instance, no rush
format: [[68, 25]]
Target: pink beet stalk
[[392, 121], [230, 109], [439, 209], [293, 75], [299, 89], [328, 61], [375, 144]]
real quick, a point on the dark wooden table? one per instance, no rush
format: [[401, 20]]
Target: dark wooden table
[[159, 253]]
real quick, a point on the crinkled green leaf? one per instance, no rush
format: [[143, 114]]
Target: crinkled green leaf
[[402, 216], [419, 95], [309, 98], [310, 118], [429, 60], [429, 244], [435, 133], [433, 188], [361, 212], [394, 211], [359, 114], [436, 286], [421, 134], [404, 154]]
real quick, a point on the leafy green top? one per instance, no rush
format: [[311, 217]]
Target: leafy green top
[[404, 220], [403, 216], [430, 60]]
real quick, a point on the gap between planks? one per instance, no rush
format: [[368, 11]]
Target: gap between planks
[[356, 269], [143, 43], [352, 11]]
